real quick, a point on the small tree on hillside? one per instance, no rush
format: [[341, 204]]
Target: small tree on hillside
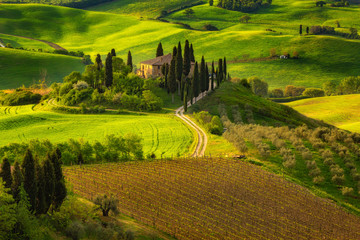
[[300, 30], [211, 2], [113, 53], [5, 173], [107, 204], [307, 30], [159, 50], [109, 71], [129, 61], [337, 23], [245, 19]]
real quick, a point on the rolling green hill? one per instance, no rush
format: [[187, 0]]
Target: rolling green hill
[[160, 132], [322, 58], [341, 111]]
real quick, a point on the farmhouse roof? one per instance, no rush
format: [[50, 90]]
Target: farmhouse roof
[[159, 61]]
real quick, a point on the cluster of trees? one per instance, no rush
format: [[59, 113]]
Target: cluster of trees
[[338, 3], [177, 75], [211, 123], [318, 30], [294, 91], [35, 189], [242, 5], [20, 97], [111, 84], [255, 84]]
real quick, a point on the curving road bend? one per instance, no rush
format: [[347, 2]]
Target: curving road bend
[[202, 137]]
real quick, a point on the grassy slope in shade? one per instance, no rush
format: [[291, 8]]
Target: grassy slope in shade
[[160, 133], [322, 57], [18, 67], [341, 111]]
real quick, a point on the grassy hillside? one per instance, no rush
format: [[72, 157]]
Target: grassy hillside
[[322, 58], [160, 133], [17, 42], [215, 199], [341, 111], [18, 67]]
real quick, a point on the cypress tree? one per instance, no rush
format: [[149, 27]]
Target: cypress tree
[[172, 78], [49, 187], [179, 68], [98, 62], [300, 30], [202, 75], [192, 56], [225, 68], [17, 180], [221, 71], [307, 30], [109, 71], [159, 50], [113, 53], [5, 173], [167, 69], [174, 52], [30, 186], [217, 77], [185, 98], [60, 189], [129, 61], [187, 60], [40, 181], [212, 75], [207, 77], [196, 82]]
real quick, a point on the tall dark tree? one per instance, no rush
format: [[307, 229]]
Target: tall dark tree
[[221, 70], [195, 82], [185, 97], [17, 180], [225, 68], [179, 67], [40, 196], [60, 189], [159, 50], [202, 75], [192, 56], [212, 75], [49, 187], [30, 186], [109, 71], [174, 52], [307, 30], [98, 62], [217, 77], [129, 61], [172, 78], [207, 77], [113, 53], [5, 173], [187, 59], [300, 30]]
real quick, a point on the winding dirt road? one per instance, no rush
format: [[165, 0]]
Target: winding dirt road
[[202, 137]]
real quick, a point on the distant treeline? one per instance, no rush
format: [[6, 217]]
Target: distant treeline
[[243, 5], [67, 3]]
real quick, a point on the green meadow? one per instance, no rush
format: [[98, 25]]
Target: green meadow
[[322, 58], [341, 111], [160, 133]]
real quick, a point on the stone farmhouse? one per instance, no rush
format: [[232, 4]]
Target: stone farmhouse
[[152, 68]]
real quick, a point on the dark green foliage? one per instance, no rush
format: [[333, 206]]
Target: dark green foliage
[[80, 159], [20, 97], [258, 86], [30, 186], [225, 68], [60, 189], [307, 30], [113, 53], [206, 78], [192, 56], [187, 59], [159, 50], [212, 75], [221, 70], [109, 71], [172, 77], [49, 186], [202, 75], [185, 97], [129, 61], [211, 2], [320, 3], [107, 204], [314, 92], [211, 123], [196, 81], [5, 173], [209, 27], [40, 181], [98, 62], [174, 52], [217, 74], [243, 5], [179, 63], [17, 180], [300, 30]]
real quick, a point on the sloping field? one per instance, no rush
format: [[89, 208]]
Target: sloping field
[[341, 111], [322, 58], [161, 133], [215, 199]]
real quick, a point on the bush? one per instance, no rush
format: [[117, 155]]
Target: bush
[[258, 86], [150, 101], [292, 91], [211, 123], [75, 230], [346, 191], [277, 93], [209, 27], [21, 97], [314, 92]]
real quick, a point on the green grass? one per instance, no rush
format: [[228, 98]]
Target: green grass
[[19, 67], [322, 58], [160, 132], [17, 42], [341, 111]]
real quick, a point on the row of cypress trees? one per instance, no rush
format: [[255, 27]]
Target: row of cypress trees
[[44, 184], [177, 76]]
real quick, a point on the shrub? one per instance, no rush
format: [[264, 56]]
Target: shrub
[[338, 179], [318, 180], [22, 97], [314, 92], [258, 86], [209, 27], [150, 101], [277, 93], [346, 191], [292, 91], [75, 230]]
